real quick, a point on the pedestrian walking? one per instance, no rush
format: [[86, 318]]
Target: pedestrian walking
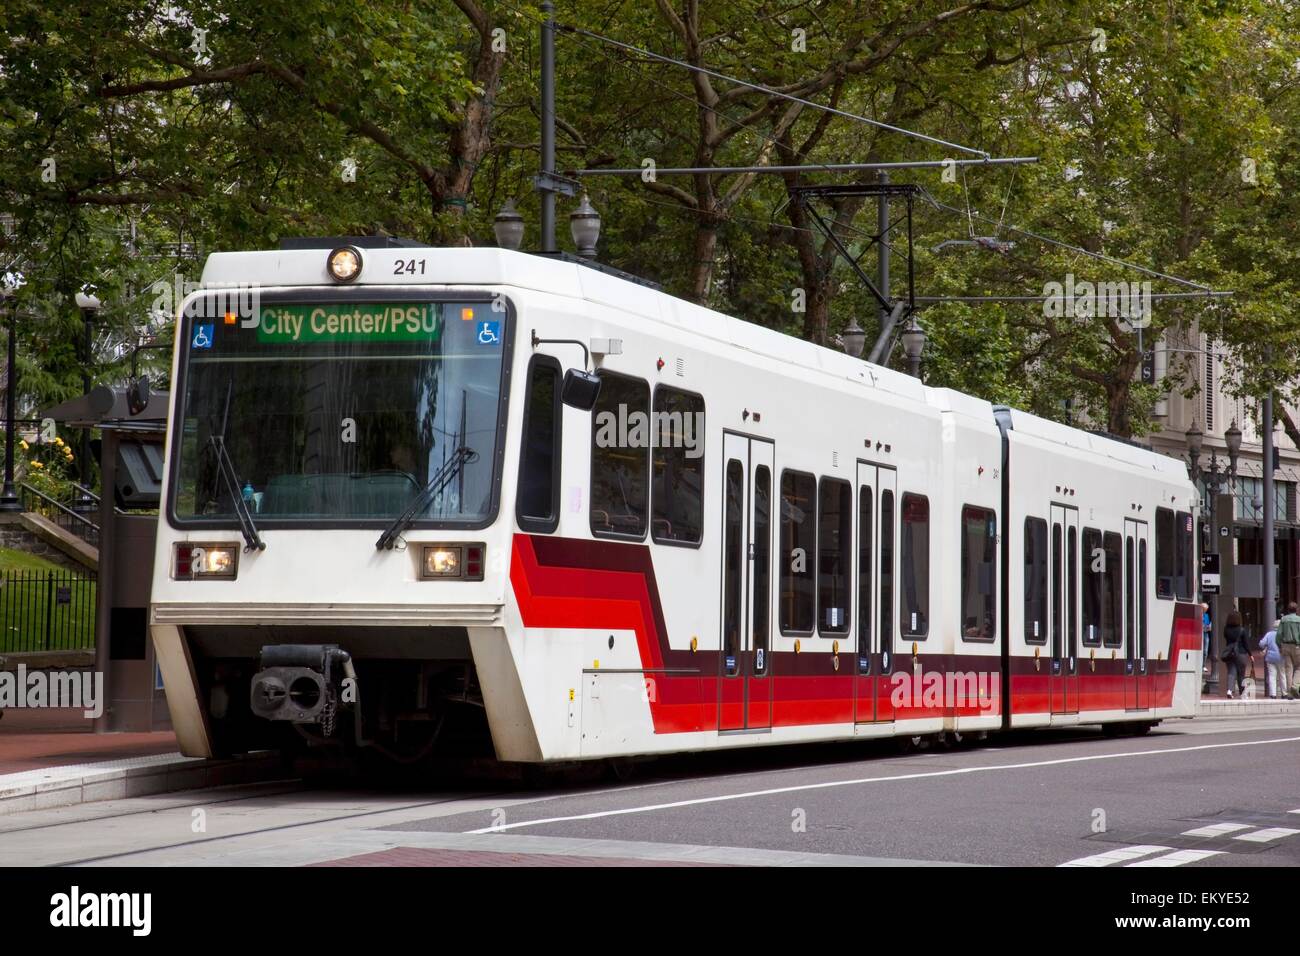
[[1207, 633], [1273, 685], [1288, 645], [1236, 654]]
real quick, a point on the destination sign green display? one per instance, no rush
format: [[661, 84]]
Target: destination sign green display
[[351, 322]]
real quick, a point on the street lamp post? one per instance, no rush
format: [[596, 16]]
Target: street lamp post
[[1233, 437], [584, 225], [89, 305], [914, 346], [1214, 478], [854, 339], [8, 498], [508, 226]]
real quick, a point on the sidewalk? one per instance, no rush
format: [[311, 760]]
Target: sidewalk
[[1220, 705]]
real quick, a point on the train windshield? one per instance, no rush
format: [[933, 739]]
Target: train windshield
[[341, 412]]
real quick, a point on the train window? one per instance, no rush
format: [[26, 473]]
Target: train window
[[1035, 582], [762, 599], [864, 570], [915, 619], [1184, 578], [1165, 556], [734, 563], [798, 552], [677, 467], [1142, 598], [538, 507], [886, 570], [620, 462], [1130, 598], [834, 555], [1058, 599], [1094, 556], [979, 529], [1072, 591], [1112, 634]]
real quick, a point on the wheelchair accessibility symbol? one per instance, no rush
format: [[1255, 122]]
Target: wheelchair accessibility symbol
[[202, 337], [489, 333]]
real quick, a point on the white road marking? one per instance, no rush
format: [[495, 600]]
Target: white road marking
[[1267, 835], [1293, 811], [1116, 856], [776, 791], [1217, 829], [1177, 858]]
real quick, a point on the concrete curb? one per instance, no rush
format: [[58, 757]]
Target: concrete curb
[[134, 777], [1248, 708]]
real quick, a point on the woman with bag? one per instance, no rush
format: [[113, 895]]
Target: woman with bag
[[1236, 654]]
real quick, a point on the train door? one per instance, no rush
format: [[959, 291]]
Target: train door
[[745, 684], [1064, 583], [876, 487], [1137, 689]]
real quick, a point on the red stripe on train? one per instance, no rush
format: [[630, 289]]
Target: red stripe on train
[[572, 583]]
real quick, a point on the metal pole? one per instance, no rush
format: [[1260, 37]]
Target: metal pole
[[104, 588], [548, 125], [8, 499], [83, 466], [1270, 601], [882, 227]]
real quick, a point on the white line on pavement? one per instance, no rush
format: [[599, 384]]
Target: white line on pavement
[[829, 784], [1216, 829], [1267, 835], [1177, 858], [1116, 856]]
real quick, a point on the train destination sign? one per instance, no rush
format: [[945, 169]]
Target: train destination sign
[[350, 322]]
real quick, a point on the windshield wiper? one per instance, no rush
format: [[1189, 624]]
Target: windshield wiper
[[252, 540], [461, 457]]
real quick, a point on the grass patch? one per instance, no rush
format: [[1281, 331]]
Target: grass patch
[[11, 560], [44, 607]]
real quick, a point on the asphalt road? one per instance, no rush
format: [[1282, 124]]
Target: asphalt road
[[1203, 793]]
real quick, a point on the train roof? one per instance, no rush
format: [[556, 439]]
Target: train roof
[[490, 266]]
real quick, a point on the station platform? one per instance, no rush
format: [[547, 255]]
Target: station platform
[[44, 770]]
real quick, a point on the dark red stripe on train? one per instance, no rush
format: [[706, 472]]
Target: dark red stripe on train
[[575, 583]]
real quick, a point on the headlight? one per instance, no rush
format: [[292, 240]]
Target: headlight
[[443, 562], [205, 560], [461, 562], [344, 263]]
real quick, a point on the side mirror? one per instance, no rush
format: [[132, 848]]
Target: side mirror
[[580, 390], [137, 396]]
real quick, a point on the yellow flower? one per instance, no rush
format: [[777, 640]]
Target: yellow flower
[[37, 464], [22, 444], [58, 441]]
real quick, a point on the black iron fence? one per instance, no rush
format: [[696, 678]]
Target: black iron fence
[[47, 611], [76, 515]]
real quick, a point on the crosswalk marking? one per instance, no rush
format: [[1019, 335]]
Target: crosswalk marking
[[1216, 829], [1177, 858], [1116, 856], [1266, 835]]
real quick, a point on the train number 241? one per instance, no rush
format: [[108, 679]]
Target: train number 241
[[408, 267]]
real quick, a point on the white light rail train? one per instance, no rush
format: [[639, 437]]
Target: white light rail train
[[457, 501]]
